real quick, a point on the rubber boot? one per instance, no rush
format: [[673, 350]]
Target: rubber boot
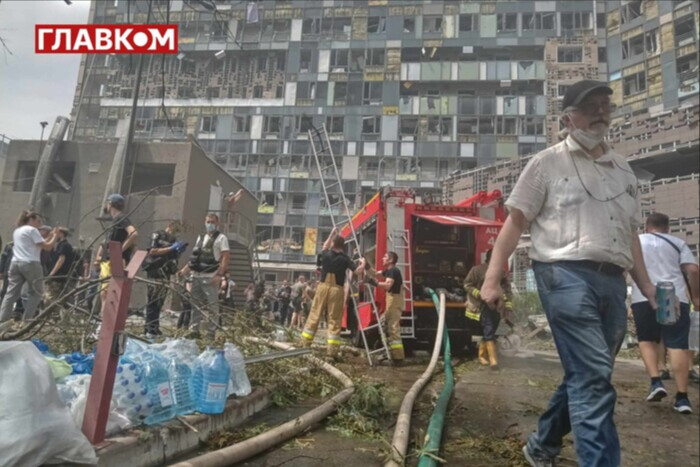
[[493, 355], [483, 354]]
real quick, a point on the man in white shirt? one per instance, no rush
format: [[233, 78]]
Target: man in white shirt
[[579, 199], [667, 259], [209, 263], [26, 265]]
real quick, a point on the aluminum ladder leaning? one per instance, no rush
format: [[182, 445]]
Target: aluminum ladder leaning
[[323, 154]]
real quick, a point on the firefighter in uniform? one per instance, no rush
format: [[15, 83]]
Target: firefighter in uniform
[[160, 265], [487, 317], [329, 294], [393, 286]]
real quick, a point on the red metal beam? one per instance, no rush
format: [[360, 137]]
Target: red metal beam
[[106, 359]]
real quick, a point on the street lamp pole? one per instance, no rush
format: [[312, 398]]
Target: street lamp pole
[[41, 138]]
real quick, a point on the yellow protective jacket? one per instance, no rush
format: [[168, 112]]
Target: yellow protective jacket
[[473, 284]]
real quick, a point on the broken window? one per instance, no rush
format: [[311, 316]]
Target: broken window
[[335, 124], [468, 23], [357, 60], [271, 124], [486, 126], [409, 24], [506, 22], [149, 176], [262, 63], [340, 92], [409, 126], [219, 30], [467, 125], [213, 92], [257, 92], [487, 105], [633, 46], [311, 26], [634, 84], [304, 124], [372, 92], [432, 23], [306, 90], [299, 201], [651, 41], [339, 60], [341, 28], [439, 126], [506, 126], [569, 54], [376, 24], [371, 125], [24, 178], [538, 21], [241, 124], [305, 61], [602, 54], [208, 124], [562, 88], [375, 56], [576, 20], [533, 126], [687, 65], [685, 30], [633, 9]]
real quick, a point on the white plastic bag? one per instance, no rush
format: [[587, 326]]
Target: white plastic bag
[[36, 428], [79, 384]]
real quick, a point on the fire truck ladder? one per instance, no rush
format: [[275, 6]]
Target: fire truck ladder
[[323, 153], [401, 244]]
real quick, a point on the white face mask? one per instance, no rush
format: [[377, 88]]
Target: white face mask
[[589, 139]]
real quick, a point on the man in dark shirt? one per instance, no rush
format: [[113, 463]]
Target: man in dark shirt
[[284, 297], [393, 286], [160, 265], [60, 262], [329, 294], [122, 231]]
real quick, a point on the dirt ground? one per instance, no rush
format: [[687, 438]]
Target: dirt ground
[[490, 416]]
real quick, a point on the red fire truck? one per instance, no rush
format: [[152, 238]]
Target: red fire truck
[[437, 245]]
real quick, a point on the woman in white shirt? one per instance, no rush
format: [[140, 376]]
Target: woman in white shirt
[[26, 265]]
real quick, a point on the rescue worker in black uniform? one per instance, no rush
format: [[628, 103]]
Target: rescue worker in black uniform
[[329, 294], [161, 263]]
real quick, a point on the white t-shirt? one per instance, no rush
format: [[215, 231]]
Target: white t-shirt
[[664, 264], [27, 244]]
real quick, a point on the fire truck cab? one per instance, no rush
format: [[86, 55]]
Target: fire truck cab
[[437, 245]]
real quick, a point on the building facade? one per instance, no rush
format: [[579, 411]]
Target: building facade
[[410, 91]]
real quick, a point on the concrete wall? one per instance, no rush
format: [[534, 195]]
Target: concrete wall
[[78, 208]]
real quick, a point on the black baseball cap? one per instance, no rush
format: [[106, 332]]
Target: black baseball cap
[[578, 91]]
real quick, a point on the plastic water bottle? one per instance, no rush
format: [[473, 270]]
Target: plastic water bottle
[[239, 385], [215, 381], [694, 336], [159, 391], [201, 361], [183, 387]]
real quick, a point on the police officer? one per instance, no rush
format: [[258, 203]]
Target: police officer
[[160, 265], [329, 294], [488, 317], [392, 285], [209, 262]]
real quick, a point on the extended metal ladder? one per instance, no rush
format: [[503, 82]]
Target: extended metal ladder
[[323, 154], [401, 244]]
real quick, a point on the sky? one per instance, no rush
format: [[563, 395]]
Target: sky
[[35, 88]]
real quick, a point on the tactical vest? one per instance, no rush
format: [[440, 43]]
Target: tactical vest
[[203, 254]]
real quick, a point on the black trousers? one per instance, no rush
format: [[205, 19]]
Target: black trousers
[[284, 312], [156, 298], [489, 319]]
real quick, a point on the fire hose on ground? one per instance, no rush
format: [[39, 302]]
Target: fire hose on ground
[[431, 445], [245, 449], [399, 442]]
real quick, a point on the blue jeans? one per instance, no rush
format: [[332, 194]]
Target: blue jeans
[[587, 314]]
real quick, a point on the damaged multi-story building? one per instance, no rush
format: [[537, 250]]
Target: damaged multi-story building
[[410, 92]]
